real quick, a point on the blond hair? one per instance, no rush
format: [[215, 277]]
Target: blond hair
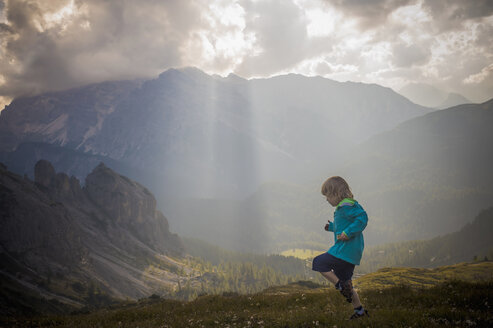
[[338, 187]]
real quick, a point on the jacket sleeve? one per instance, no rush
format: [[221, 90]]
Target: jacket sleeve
[[331, 226], [360, 220]]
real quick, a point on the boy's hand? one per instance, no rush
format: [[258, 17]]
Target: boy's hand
[[342, 236], [327, 226]]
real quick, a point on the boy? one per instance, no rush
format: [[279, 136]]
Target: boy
[[350, 219]]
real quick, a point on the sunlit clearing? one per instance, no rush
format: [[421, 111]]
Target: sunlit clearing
[[4, 101], [321, 66], [223, 46], [377, 57], [321, 23], [478, 78], [62, 17]]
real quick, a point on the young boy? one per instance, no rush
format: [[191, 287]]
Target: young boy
[[350, 219]]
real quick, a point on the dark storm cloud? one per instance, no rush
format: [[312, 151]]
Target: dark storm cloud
[[379, 41], [451, 14], [484, 38], [99, 40], [447, 14], [370, 13], [4, 28], [447, 43]]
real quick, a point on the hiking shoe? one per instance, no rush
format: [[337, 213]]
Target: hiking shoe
[[347, 290], [358, 314]]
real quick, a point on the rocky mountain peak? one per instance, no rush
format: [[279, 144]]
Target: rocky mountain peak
[[130, 206], [44, 173], [59, 184], [123, 199]]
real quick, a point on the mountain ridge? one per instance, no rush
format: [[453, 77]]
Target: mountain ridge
[[222, 132], [433, 97], [427, 177]]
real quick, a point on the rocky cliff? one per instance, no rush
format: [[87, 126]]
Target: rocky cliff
[[66, 242], [36, 230], [132, 207]]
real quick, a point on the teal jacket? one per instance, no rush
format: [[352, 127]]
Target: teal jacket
[[351, 219]]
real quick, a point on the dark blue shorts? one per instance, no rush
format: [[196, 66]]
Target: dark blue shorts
[[326, 262]]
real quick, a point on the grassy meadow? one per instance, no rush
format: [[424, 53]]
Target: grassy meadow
[[424, 278], [442, 303]]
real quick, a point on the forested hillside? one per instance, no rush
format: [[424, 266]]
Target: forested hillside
[[225, 271], [472, 242]]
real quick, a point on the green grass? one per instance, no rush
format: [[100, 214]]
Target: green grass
[[459, 295], [421, 277], [454, 303]]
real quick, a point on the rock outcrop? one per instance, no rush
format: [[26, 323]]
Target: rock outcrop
[[55, 233], [44, 173], [58, 183], [131, 206], [36, 230]]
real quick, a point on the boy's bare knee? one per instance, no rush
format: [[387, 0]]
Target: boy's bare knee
[[330, 276]]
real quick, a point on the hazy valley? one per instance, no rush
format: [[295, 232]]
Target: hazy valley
[[236, 150], [206, 179]]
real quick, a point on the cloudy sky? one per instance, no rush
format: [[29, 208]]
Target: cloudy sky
[[57, 44]]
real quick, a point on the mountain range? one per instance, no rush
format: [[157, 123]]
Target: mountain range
[[190, 134], [426, 177], [64, 246], [240, 162], [433, 172], [430, 96]]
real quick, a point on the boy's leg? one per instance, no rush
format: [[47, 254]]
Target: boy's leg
[[359, 311], [330, 276], [327, 265], [342, 288], [356, 302]]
